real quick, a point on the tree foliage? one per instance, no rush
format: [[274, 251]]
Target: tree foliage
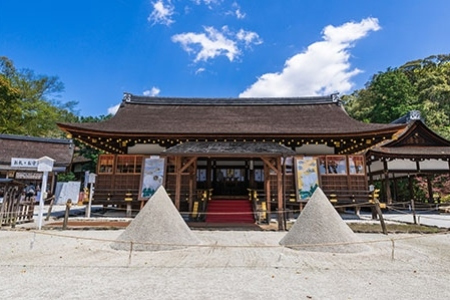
[[30, 106], [86, 151], [29, 102], [422, 85]]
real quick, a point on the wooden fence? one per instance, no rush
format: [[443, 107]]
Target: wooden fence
[[14, 208]]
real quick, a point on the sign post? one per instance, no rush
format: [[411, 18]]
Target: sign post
[[45, 165], [91, 181]]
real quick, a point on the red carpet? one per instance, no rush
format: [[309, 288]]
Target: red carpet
[[229, 211]]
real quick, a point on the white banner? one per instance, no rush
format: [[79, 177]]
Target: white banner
[[17, 162], [28, 175]]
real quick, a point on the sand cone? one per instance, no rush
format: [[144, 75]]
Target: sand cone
[[320, 228], [158, 226]]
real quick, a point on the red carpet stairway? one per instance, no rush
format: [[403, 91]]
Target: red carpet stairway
[[229, 211]]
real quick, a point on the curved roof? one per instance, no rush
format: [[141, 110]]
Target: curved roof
[[250, 116], [152, 119], [417, 141]]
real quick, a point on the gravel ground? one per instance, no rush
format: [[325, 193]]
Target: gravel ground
[[53, 264]]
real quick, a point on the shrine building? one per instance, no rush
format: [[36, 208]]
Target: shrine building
[[211, 154]]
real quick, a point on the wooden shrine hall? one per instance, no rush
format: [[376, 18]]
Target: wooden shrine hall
[[415, 151], [212, 153]]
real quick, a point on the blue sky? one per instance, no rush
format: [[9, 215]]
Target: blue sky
[[216, 48]]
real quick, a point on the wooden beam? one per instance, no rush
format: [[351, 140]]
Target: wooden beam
[[270, 164], [186, 165]]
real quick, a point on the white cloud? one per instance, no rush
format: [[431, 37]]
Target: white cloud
[[199, 70], [323, 68], [211, 44], [239, 14], [248, 37], [207, 2], [162, 13], [113, 109], [154, 91], [215, 43]]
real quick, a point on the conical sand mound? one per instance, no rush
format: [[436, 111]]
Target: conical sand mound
[[158, 226], [320, 228]]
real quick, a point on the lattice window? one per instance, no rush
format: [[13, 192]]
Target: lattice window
[[129, 164], [105, 164]]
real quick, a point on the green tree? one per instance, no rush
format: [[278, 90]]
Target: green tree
[[86, 151], [422, 84], [28, 102], [431, 78], [387, 97]]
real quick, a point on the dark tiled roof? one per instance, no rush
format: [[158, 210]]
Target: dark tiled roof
[[34, 139], [415, 151], [416, 141], [33, 147], [246, 116], [229, 148], [80, 160]]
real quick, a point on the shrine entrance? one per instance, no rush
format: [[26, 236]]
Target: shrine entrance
[[230, 178], [230, 181]]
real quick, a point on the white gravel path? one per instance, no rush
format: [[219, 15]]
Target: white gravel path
[[227, 265]]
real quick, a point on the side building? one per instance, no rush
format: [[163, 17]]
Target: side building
[[19, 155]]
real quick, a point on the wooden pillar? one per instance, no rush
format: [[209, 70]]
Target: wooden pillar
[[179, 169], [267, 189], [386, 183], [208, 174], [370, 174], [177, 182], [430, 189], [411, 189], [192, 183], [251, 168], [280, 197], [395, 191]]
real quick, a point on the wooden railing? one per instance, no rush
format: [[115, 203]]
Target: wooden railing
[[14, 209]]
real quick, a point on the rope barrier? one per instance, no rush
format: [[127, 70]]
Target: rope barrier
[[52, 234], [419, 215], [218, 246]]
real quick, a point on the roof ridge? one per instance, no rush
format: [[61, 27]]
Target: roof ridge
[[308, 100], [34, 139]]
